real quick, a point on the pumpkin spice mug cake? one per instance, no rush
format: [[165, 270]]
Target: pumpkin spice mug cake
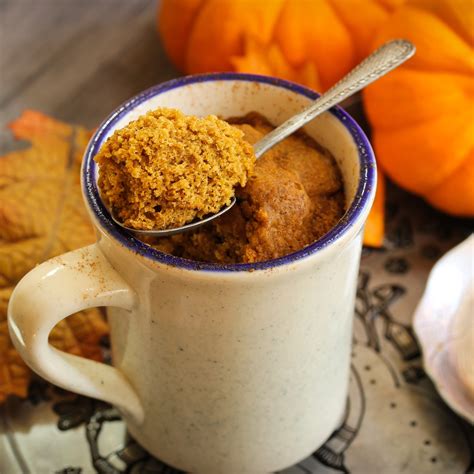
[[231, 343], [166, 169]]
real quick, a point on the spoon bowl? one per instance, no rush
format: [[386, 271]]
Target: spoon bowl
[[176, 230]]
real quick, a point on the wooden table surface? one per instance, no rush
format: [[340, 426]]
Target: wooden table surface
[[76, 59]]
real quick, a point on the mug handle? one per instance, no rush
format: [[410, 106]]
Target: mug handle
[[64, 285]]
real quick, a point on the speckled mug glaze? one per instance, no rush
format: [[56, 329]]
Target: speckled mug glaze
[[217, 369]]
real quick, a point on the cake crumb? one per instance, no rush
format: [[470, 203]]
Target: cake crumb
[[166, 169]]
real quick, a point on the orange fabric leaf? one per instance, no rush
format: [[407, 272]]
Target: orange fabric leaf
[[41, 216]]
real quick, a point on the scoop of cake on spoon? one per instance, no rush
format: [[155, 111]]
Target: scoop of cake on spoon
[[177, 204], [166, 169]]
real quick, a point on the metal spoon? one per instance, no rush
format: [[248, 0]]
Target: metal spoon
[[380, 62]]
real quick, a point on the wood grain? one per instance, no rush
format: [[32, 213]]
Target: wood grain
[[76, 59]]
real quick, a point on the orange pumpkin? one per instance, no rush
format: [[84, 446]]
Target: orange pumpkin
[[313, 42], [310, 41], [422, 114]]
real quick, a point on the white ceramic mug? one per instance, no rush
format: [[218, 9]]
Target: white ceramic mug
[[217, 369]]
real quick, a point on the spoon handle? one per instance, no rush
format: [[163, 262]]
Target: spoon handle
[[379, 63]]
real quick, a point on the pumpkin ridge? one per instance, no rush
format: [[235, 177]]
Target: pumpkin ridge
[[361, 19], [462, 38], [274, 36], [425, 94], [410, 67], [384, 7], [391, 127], [192, 26], [450, 12], [400, 158], [422, 27], [397, 128], [220, 28], [390, 5], [173, 30], [196, 17], [449, 175], [340, 18], [456, 194], [307, 42]]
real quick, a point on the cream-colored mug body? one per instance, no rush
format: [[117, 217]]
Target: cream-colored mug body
[[216, 369]]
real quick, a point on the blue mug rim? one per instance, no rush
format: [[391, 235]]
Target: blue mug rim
[[367, 177]]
